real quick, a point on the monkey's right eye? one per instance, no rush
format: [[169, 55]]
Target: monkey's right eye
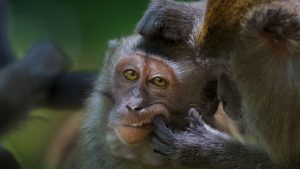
[[131, 75]]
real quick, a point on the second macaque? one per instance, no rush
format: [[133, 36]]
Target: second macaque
[[258, 41]]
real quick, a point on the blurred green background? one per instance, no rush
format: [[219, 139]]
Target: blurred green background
[[81, 29]]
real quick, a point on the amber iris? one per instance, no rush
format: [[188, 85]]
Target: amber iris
[[131, 75], [159, 82]]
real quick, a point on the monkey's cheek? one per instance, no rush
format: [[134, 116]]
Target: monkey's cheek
[[133, 135]]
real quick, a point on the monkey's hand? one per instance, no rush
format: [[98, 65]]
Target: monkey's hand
[[194, 143], [169, 20], [202, 146]]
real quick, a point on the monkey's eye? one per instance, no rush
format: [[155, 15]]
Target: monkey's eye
[[131, 75], [159, 82]]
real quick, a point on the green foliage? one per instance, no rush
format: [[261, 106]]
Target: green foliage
[[81, 28]]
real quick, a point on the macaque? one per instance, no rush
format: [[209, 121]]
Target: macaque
[[254, 45], [136, 84]]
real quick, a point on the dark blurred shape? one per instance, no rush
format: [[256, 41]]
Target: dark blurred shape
[[25, 84], [38, 79], [7, 160], [70, 90]]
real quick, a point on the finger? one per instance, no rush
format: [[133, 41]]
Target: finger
[[162, 132], [159, 152], [160, 147], [165, 136], [195, 119], [193, 113], [159, 121]]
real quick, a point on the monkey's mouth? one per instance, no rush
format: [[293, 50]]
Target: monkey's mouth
[[134, 130], [133, 133], [135, 126], [141, 123]]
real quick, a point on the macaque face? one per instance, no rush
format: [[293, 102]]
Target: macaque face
[[144, 88]]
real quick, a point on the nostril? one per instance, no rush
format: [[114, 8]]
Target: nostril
[[129, 108], [137, 108]]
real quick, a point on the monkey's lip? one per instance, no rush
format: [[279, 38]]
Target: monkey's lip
[[141, 121], [134, 129], [133, 135], [134, 126], [138, 124]]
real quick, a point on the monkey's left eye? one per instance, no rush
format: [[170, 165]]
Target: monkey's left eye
[[159, 82], [131, 75]]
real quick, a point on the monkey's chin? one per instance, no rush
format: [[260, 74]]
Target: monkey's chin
[[133, 135]]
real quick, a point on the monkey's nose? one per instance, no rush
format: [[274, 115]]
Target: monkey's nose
[[133, 108], [129, 108]]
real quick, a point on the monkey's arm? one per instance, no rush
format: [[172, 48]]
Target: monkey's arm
[[202, 146], [40, 79], [7, 160], [70, 90], [170, 20], [25, 83]]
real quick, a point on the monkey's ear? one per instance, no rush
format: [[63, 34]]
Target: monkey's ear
[[229, 96], [112, 44]]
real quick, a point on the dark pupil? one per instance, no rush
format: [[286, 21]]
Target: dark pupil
[[159, 79]]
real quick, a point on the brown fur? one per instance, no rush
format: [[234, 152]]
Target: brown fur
[[222, 22]]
